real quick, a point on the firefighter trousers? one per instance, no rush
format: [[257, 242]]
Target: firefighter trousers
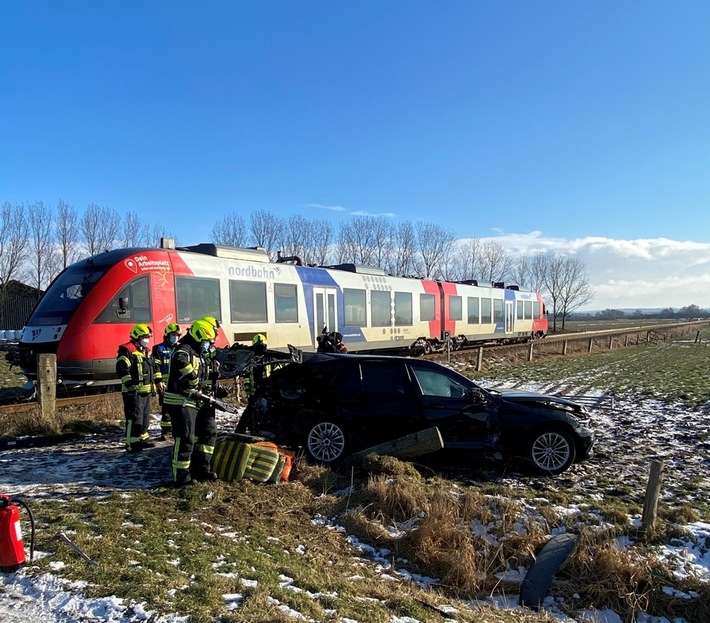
[[136, 409], [195, 434]]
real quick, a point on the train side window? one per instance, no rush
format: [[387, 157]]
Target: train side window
[[427, 310], [247, 301], [403, 309], [497, 310], [474, 314], [455, 308], [486, 307], [528, 310], [354, 302], [285, 302], [197, 298], [380, 308], [536, 309], [520, 310], [135, 307]]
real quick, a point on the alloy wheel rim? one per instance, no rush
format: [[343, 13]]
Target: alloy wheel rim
[[326, 442], [551, 451]]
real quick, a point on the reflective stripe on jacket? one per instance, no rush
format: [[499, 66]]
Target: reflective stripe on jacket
[[135, 369], [187, 372], [161, 356]]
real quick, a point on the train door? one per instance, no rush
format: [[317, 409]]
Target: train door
[[509, 316], [325, 310]]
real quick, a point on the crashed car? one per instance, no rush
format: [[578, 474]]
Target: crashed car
[[337, 404]]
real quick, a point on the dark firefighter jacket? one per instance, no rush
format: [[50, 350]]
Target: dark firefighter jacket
[[161, 356], [135, 369], [187, 372]]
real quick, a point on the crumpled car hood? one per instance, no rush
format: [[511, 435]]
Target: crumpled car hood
[[531, 398]]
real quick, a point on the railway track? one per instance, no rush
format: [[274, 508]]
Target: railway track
[[29, 405], [549, 346]]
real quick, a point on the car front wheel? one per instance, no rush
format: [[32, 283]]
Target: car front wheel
[[326, 442], [552, 451]]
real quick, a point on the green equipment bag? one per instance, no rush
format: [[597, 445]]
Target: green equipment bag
[[230, 458], [261, 463]]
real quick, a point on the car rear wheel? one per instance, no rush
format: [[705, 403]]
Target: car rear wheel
[[552, 451], [326, 442]]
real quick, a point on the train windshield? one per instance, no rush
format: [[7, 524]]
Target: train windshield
[[64, 295]]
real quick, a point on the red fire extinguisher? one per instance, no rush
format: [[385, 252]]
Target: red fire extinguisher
[[12, 548]]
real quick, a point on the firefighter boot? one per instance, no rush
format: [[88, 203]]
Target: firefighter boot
[[182, 478]]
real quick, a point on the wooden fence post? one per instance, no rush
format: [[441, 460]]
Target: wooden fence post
[[611, 341], [564, 347], [530, 352], [479, 363], [653, 490], [47, 384], [591, 343], [697, 336]]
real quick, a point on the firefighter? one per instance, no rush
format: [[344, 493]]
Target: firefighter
[[194, 431], [259, 370], [161, 358], [134, 367]]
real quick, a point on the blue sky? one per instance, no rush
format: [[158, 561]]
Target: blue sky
[[566, 125]]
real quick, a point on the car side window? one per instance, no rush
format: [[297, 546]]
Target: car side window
[[434, 383], [383, 378]]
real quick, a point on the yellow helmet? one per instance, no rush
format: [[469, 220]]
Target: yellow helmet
[[259, 338], [202, 330], [213, 321], [140, 330], [172, 328]]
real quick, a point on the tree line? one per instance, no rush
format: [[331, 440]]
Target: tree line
[[37, 241]]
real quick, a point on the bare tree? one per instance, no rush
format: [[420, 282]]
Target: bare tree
[[566, 284], [154, 234], [495, 262], [67, 234], [132, 230], [298, 234], [575, 290], [357, 240], [322, 242], [345, 247], [14, 230], [230, 231], [465, 260], [267, 231], [44, 258], [100, 227], [403, 259], [521, 271], [538, 270], [434, 242]]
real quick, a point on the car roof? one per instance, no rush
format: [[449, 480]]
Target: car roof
[[313, 358]]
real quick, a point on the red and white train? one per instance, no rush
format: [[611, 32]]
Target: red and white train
[[90, 307]]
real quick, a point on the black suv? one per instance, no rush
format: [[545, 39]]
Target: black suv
[[334, 404]]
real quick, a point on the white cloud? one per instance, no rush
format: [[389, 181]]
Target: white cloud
[[332, 208], [646, 272], [366, 213]]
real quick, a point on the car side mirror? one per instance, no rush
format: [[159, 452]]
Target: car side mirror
[[475, 394]]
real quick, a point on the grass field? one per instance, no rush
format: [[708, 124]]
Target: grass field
[[388, 539]]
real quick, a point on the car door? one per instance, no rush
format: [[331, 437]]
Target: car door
[[462, 413], [378, 401]]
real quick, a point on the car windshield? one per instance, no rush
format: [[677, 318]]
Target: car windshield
[[64, 295]]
